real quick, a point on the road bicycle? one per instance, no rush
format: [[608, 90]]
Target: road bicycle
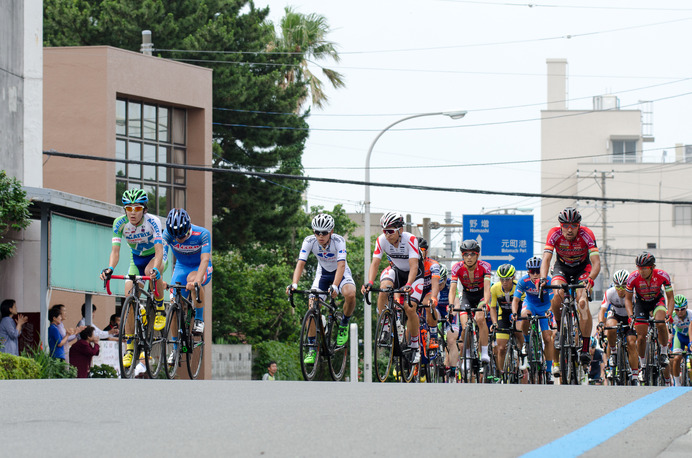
[[684, 367], [511, 374], [491, 372], [436, 364], [391, 338], [318, 334], [534, 350], [470, 360], [622, 372], [653, 371], [180, 338], [570, 342], [139, 307]]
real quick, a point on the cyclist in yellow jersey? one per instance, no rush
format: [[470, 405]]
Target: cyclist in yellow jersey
[[501, 294]]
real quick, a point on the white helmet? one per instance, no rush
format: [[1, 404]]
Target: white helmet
[[620, 277], [323, 222], [392, 219]]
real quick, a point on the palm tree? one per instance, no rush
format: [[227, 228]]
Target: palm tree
[[306, 34]]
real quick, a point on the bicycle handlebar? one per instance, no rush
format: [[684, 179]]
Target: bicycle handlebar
[[385, 290], [313, 291], [133, 278], [178, 286], [469, 309], [565, 287]]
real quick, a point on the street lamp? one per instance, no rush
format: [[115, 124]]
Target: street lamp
[[367, 316]]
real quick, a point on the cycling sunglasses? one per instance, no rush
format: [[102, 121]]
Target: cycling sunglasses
[[389, 231], [133, 208], [534, 271], [569, 226], [321, 232]]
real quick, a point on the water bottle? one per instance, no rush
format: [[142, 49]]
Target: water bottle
[[143, 313], [399, 329], [324, 322]]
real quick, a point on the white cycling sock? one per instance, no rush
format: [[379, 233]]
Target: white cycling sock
[[664, 349]]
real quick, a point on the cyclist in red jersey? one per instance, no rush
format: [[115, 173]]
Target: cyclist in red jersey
[[649, 283], [577, 260], [474, 276]]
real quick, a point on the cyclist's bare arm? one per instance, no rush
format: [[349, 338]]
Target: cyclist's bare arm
[[515, 305], [486, 291], [670, 298], [374, 267], [595, 269], [113, 259], [205, 258], [339, 274], [413, 270], [545, 263], [297, 272], [628, 303]]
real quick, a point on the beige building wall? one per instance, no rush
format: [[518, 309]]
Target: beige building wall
[[81, 85]]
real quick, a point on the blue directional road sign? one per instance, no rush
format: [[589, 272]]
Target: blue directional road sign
[[503, 238]]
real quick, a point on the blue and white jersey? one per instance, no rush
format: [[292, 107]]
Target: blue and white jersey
[[443, 297], [189, 252], [526, 286], [328, 256], [142, 237], [682, 326]]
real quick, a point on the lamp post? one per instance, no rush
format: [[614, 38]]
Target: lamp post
[[367, 315]]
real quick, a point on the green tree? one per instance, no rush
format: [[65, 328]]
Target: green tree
[[14, 212], [306, 34]]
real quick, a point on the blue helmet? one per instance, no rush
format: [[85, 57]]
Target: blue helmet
[[533, 263], [178, 223]]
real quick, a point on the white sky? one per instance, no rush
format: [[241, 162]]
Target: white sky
[[402, 57]]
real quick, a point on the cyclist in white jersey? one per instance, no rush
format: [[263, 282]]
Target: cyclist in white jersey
[[407, 270], [333, 274], [682, 323], [612, 312]]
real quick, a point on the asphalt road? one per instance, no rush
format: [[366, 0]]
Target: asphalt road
[[98, 417]]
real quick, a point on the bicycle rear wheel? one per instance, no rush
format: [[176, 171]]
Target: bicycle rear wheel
[[172, 347], [510, 367], [384, 349], [684, 375], [622, 376], [311, 322], [129, 311], [155, 345], [338, 355], [195, 349], [650, 374], [407, 369], [467, 358]]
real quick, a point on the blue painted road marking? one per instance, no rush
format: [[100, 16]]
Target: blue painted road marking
[[605, 427]]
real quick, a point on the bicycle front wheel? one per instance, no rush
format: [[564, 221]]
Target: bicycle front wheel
[[129, 312], [310, 344], [172, 347], [195, 352], [156, 343], [622, 376], [338, 354], [384, 349], [408, 370], [510, 367], [684, 375]]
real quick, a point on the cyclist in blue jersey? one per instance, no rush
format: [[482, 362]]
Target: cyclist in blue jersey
[[682, 322], [142, 232], [192, 248], [528, 286]]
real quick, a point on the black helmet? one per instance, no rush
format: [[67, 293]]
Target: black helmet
[[469, 245], [569, 215], [645, 259], [422, 243]]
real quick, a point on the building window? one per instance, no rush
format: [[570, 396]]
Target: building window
[[624, 150], [688, 154], [682, 215], [151, 133]]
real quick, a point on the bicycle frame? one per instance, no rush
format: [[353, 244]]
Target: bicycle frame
[[183, 310], [470, 365], [534, 345], [653, 372], [622, 369]]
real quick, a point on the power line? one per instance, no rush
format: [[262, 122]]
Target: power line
[[265, 175], [561, 6]]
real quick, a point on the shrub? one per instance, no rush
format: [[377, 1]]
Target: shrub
[[103, 371], [50, 367], [18, 367], [285, 355]]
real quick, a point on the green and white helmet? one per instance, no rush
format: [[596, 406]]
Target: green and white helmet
[[135, 196], [680, 302]]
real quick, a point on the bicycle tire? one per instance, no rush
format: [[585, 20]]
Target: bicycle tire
[[464, 358], [384, 345], [129, 311], [337, 356], [621, 362], [155, 344], [684, 375], [491, 375], [650, 370], [195, 350], [172, 347], [510, 366], [536, 364], [311, 318], [565, 349], [407, 370]]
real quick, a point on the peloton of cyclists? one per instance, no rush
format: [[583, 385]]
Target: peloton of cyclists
[[406, 271], [333, 274]]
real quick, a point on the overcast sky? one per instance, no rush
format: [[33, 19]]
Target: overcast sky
[[402, 57]]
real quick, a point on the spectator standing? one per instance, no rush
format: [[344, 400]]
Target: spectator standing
[[82, 352], [56, 340], [9, 329], [103, 335], [271, 371], [74, 333]]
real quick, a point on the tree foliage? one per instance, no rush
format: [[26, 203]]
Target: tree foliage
[[14, 212]]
